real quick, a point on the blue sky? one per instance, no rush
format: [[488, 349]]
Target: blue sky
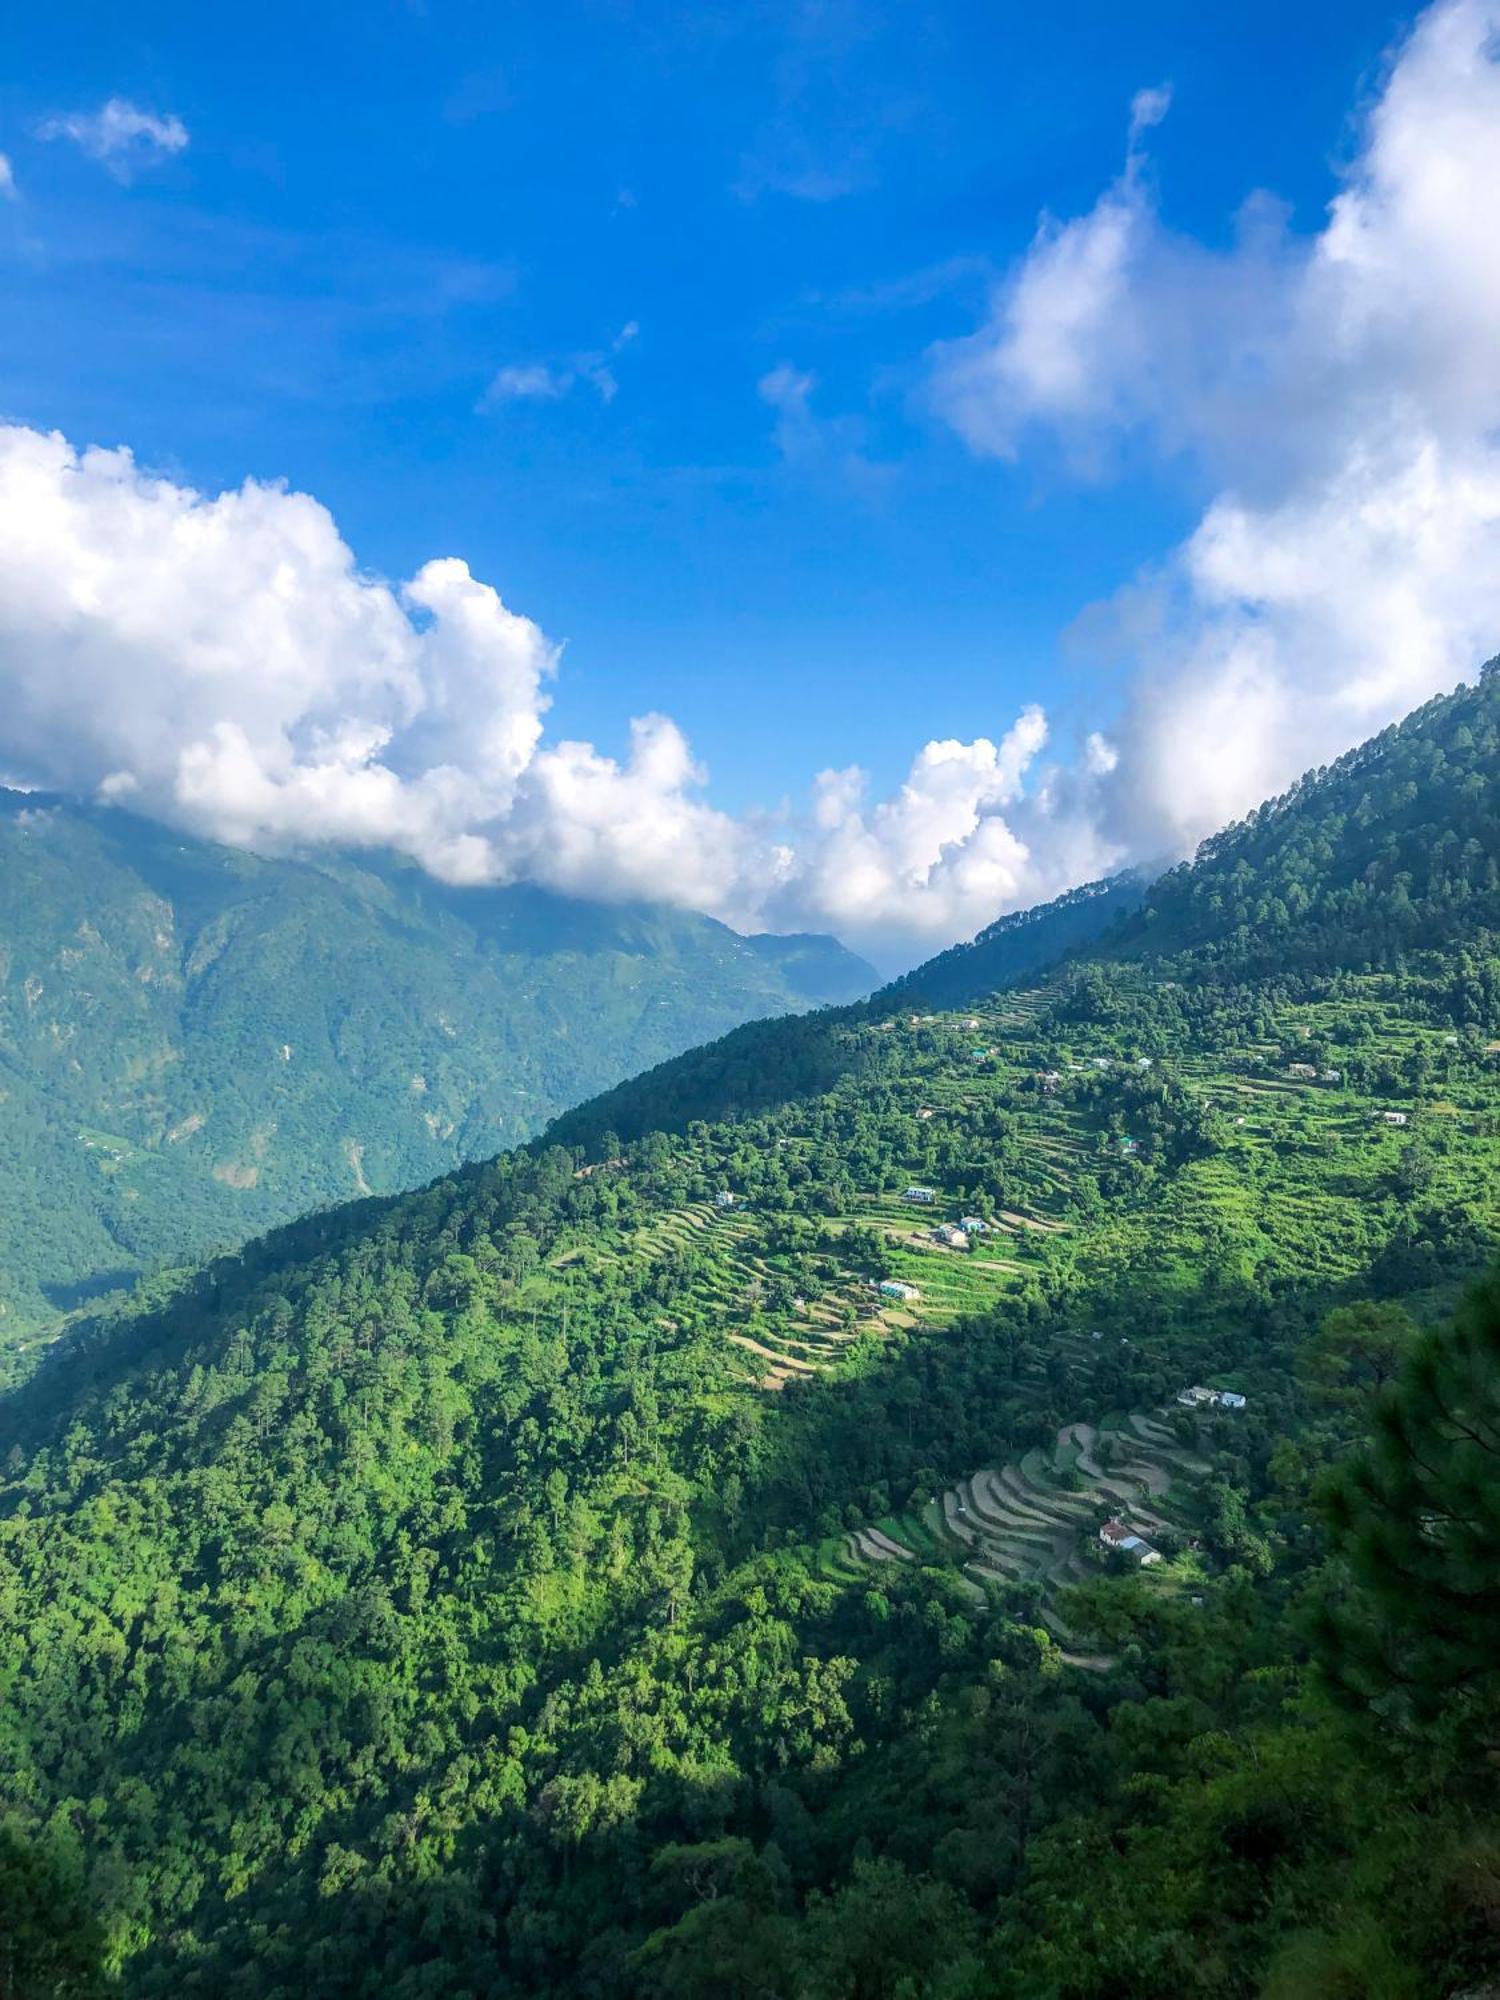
[[634, 309]]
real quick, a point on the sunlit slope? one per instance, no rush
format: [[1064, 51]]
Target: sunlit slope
[[196, 1043]]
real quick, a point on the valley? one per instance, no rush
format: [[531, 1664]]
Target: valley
[[198, 1043]]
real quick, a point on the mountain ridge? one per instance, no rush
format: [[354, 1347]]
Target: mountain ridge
[[668, 1564], [196, 1042]]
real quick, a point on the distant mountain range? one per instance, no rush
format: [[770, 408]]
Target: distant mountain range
[[197, 1043]]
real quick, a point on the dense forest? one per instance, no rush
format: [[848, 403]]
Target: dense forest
[[991, 1498], [197, 1043], [1025, 942]]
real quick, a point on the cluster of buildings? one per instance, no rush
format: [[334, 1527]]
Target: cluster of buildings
[[960, 1235]]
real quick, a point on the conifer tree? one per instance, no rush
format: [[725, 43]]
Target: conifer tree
[[1417, 1519]]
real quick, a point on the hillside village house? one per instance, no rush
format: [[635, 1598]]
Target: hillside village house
[[724, 1199], [1117, 1535], [893, 1288], [973, 1225], [1393, 1117], [1199, 1398], [923, 1194], [952, 1235], [1307, 1070]]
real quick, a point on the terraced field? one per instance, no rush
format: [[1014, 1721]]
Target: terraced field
[[1037, 1521], [1282, 1186]]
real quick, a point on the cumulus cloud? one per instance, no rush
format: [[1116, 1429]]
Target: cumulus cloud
[[1338, 390], [120, 135], [221, 662]]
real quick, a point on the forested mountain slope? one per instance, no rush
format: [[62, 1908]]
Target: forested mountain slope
[[673, 1566], [1394, 848], [1024, 943], [196, 1043], [1390, 849]]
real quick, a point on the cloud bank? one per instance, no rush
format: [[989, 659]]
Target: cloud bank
[[1338, 391], [222, 662]]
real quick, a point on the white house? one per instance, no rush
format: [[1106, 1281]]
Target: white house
[[924, 1194], [1117, 1535], [1198, 1398], [1393, 1117], [973, 1225], [952, 1235], [893, 1288], [724, 1199]]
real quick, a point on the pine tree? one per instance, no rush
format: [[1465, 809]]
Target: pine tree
[[1416, 1517]]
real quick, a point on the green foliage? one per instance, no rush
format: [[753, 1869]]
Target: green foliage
[[196, 1043], [1020, 945], [536, 1585], [1417, 1518], [51, 1945]]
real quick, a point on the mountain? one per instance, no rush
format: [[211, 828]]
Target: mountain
[[196, 1043], [663, 1561], [1390, 850], [1024, 942]]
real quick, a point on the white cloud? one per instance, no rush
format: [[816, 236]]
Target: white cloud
[[940, 857], [549, 381], [221, 662], [8, 189], [120, 135], [1338, 388], [528, 382], [830, 447]]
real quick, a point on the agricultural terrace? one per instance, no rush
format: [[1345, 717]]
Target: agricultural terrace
[[1019, 1116]]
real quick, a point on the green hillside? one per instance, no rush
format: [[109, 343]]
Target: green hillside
[[667, 1560], [196, 1043], [1016, 946]]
